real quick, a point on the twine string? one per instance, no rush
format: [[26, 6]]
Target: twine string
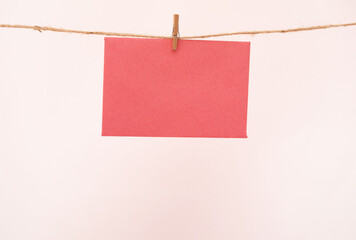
[[63, 30]]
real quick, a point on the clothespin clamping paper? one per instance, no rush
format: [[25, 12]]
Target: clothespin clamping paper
[[175, 31]]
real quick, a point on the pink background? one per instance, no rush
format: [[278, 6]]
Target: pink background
[[293, 178]]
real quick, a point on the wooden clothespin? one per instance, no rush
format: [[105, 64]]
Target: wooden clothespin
[[175, 31]]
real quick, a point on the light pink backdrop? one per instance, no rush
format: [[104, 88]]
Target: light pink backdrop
[[293, 178]]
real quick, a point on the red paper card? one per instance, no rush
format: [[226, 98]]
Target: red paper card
[[199, 90]]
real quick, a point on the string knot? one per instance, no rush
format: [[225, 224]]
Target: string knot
[[37, 28]]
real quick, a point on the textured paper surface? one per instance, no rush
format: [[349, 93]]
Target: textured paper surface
[[199, 90]]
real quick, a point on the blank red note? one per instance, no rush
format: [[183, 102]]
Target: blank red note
[[199, 90]]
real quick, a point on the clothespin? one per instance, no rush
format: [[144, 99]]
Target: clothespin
[[175, 31]]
